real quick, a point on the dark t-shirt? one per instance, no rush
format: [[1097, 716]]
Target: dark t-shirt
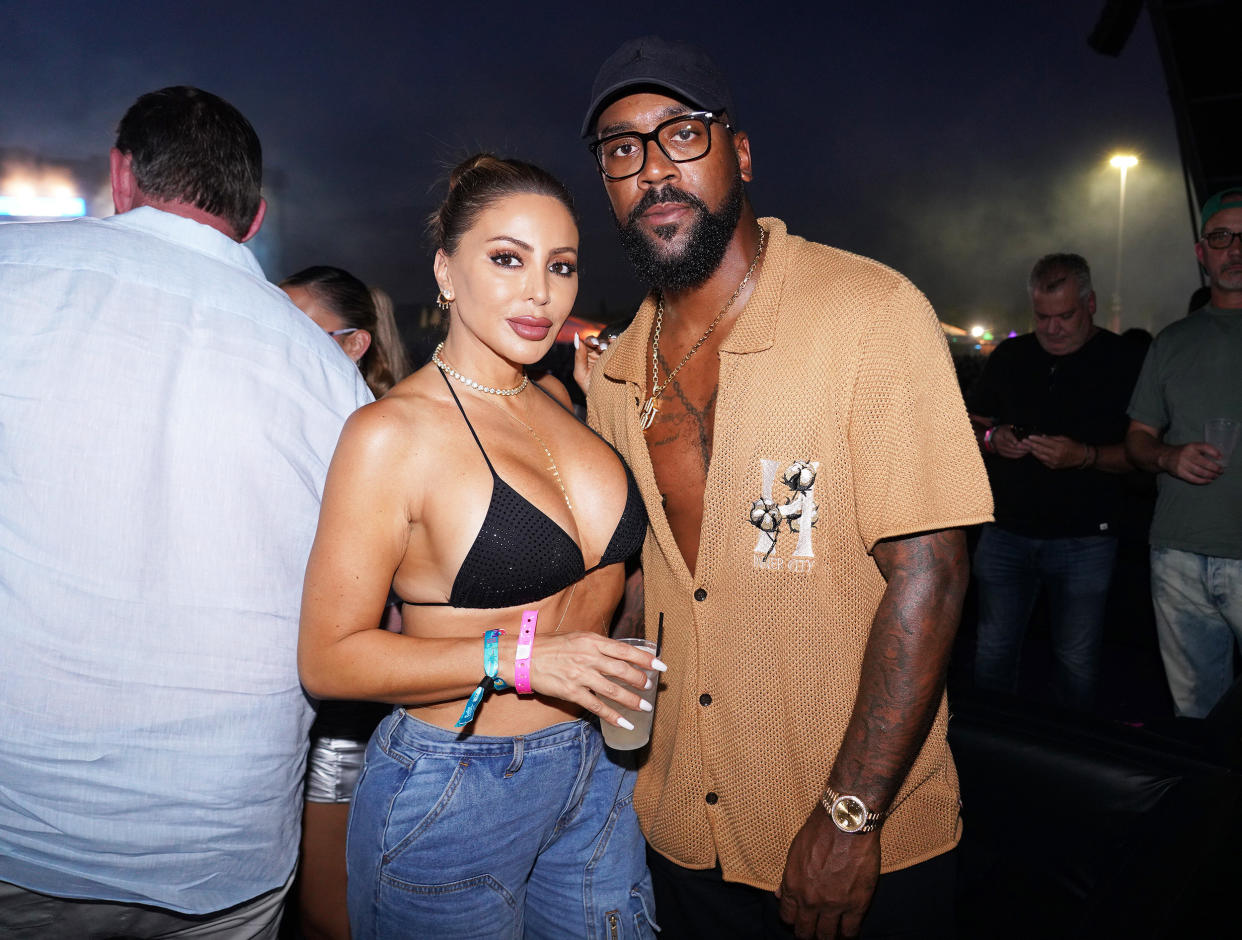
[[1083, 396]]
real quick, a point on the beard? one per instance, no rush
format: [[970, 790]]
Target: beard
[[707, 238]]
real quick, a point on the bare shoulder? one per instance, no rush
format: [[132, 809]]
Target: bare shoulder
[[556, 388], [407, 424]]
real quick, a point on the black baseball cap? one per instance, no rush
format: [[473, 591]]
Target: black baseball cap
[[685, 70]]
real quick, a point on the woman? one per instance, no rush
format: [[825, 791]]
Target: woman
[[477, 496], [361, 322], [359, 318]]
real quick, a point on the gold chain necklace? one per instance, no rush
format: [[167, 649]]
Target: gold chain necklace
[[552, 467], [449, 370], [560, 622], [551, 460], [651, 405]]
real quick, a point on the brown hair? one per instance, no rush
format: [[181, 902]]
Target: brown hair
[[385, 363], [189, 146], [481, 181]]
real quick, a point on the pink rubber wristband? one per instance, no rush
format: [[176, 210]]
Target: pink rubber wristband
[[526, 639]]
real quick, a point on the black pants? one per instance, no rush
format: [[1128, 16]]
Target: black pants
[[913, 903]]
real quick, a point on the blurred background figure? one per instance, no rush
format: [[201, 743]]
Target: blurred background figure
[[360, 320], [1190, 381], [1050, 412]]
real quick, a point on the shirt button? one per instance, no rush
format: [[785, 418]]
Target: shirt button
[[700, 594], [712, 799], [705, 699]]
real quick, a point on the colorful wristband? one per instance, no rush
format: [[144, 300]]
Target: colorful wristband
[[987, 440], [491, 666], [491, 658], [526, 639]]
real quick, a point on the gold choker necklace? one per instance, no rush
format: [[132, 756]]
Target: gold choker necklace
[[449, 370], [652, 404]]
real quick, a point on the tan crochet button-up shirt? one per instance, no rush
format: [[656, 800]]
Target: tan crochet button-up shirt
[[838, 405]]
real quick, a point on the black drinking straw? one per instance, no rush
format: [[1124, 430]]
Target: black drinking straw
[[660, 634]]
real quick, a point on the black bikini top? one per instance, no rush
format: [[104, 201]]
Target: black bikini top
[[520, 555]]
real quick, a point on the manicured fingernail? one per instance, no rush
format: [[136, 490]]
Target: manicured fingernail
[[577, 341], [645, 705], [603, 346], [659, 664], [625, 723], [650, 683]]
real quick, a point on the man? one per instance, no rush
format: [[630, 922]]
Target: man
[[1190, 376], [803, 452], [1050, 407], [166, 421]]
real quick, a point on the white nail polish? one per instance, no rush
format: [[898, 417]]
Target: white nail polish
[[625, 723], [659, 664], [650, 683], [644, 705], [577, 341]]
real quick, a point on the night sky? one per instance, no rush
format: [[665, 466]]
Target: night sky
[[954, 141]]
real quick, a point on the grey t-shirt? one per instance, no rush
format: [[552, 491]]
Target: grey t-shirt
[[1193, 372]]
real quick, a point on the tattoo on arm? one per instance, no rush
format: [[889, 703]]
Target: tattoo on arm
[[905, 662]]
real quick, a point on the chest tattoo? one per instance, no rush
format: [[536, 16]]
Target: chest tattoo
[[693, 423]]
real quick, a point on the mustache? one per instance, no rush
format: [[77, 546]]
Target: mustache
[[668, 193]]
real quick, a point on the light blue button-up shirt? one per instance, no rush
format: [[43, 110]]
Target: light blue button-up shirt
[[166, 422]]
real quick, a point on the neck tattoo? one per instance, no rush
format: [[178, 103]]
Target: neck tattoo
[[652, 404]]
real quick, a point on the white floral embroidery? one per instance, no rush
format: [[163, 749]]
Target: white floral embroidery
[[799, 511]]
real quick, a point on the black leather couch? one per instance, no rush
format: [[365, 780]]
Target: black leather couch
[[1078, 827]]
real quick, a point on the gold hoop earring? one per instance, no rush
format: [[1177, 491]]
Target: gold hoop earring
[[443, 301]]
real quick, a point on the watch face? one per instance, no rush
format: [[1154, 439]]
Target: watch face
[[849, 813]]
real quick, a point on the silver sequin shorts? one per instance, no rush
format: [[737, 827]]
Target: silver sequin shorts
[[332, 769]]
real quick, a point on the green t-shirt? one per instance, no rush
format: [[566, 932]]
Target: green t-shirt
[[1193, 372]]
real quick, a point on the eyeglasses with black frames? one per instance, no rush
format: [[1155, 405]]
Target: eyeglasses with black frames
[[1221, 238], [681, 139]]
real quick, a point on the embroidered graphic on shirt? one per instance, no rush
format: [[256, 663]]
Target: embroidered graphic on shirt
[[798, 513]]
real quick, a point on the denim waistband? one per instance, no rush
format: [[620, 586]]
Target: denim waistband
[[402, 728]]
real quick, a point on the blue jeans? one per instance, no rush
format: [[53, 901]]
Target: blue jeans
[[458, 836], [1009, 570], [1198, 602]]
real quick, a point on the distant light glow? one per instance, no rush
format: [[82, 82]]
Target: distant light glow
[[1013, 333], [39, 192], [987, 337], [1123, 161], [30, 206], [976, 331]]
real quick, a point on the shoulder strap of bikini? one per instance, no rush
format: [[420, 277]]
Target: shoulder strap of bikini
[[467, 420]]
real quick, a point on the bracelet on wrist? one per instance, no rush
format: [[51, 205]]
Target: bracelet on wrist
[[987, 440], [490, 680], [521, 662]]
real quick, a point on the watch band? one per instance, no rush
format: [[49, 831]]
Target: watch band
[[849, 813]]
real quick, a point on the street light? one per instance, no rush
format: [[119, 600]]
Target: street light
[[1122, 162]]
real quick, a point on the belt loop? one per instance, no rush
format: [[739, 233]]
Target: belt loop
[[519, 753]]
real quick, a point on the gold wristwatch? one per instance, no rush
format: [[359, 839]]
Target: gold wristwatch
[[849, 813]]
